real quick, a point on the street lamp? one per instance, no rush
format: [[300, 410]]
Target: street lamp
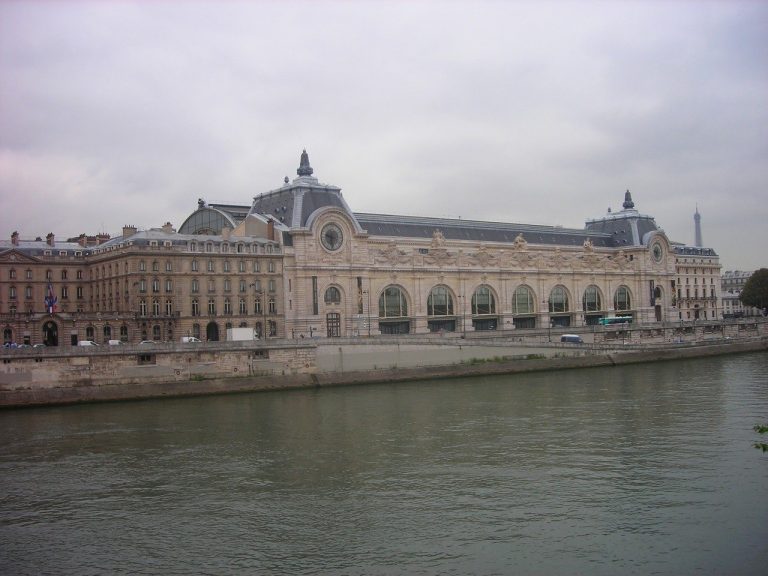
[[368, 293]]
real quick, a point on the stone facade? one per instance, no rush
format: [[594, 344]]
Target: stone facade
[[298, 262], [699, 295], [149, 285]]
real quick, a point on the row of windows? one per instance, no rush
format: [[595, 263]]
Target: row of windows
[[155, 285], [48, 274], [28, 292], [696, 281], [393, 301], [210, 266], [144, 307], [696, 293], [237, 248]]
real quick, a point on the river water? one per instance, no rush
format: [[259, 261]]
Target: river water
[[646, 469]]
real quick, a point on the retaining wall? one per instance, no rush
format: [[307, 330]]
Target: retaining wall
[[296, 369]]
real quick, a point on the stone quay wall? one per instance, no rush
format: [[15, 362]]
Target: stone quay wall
[[72, 375]]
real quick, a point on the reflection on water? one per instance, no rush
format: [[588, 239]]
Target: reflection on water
[[645, 469]]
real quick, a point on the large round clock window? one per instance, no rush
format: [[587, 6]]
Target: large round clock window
[[658, 252], [332, 237]]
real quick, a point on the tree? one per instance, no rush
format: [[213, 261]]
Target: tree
[[755, 292]]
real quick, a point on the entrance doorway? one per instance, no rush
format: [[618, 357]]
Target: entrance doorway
[[50, 334], [212, 332], [333, 321]]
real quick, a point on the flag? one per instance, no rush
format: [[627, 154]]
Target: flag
[[51, 300]]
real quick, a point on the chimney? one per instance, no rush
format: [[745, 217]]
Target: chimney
[[271, 229], [15, 238], [128, 231], [50, 239], [167, 228], [101, 237], [82, 240], [226, 233]]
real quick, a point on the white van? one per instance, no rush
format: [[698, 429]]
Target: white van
[[189, 339], [87, 343], [116, 342], [572, 339]]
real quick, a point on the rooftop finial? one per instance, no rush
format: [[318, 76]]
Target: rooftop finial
[[628, 204], [304, 168]]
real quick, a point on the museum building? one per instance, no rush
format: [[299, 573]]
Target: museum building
[[298, 262]]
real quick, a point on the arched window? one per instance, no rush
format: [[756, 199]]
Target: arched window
[[622, 299], [107, 333], [155, 332], [592, 301], [440, 302], [483, 301], [124, 333], [558, 300], [332, 295], [392, 303], [522, 301]]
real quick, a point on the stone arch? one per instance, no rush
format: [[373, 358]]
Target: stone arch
[[50, 333]]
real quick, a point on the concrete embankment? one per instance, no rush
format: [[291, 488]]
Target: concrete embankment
[[520, 363]]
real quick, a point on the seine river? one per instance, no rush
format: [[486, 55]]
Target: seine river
[[646, 469]]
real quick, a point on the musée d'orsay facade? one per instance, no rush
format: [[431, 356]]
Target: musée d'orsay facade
[[298, 262]]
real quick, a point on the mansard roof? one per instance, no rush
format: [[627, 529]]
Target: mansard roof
[[477, 231], [294, 205], [627, 227], [693, 251]]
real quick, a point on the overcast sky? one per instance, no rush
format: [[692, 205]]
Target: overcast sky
[[116, 113]]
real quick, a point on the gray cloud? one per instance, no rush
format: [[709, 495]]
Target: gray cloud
[[116, 113]]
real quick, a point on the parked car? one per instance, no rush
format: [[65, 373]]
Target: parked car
[[87, 343], [39, 346], [189, 339], [116, 342], [572, 339], [148, 342]]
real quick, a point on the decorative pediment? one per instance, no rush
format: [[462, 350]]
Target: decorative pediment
[[590, 261], [484, 257], [13, 256], [439, 257], [521, 260], [392, 255], [558, 260]]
